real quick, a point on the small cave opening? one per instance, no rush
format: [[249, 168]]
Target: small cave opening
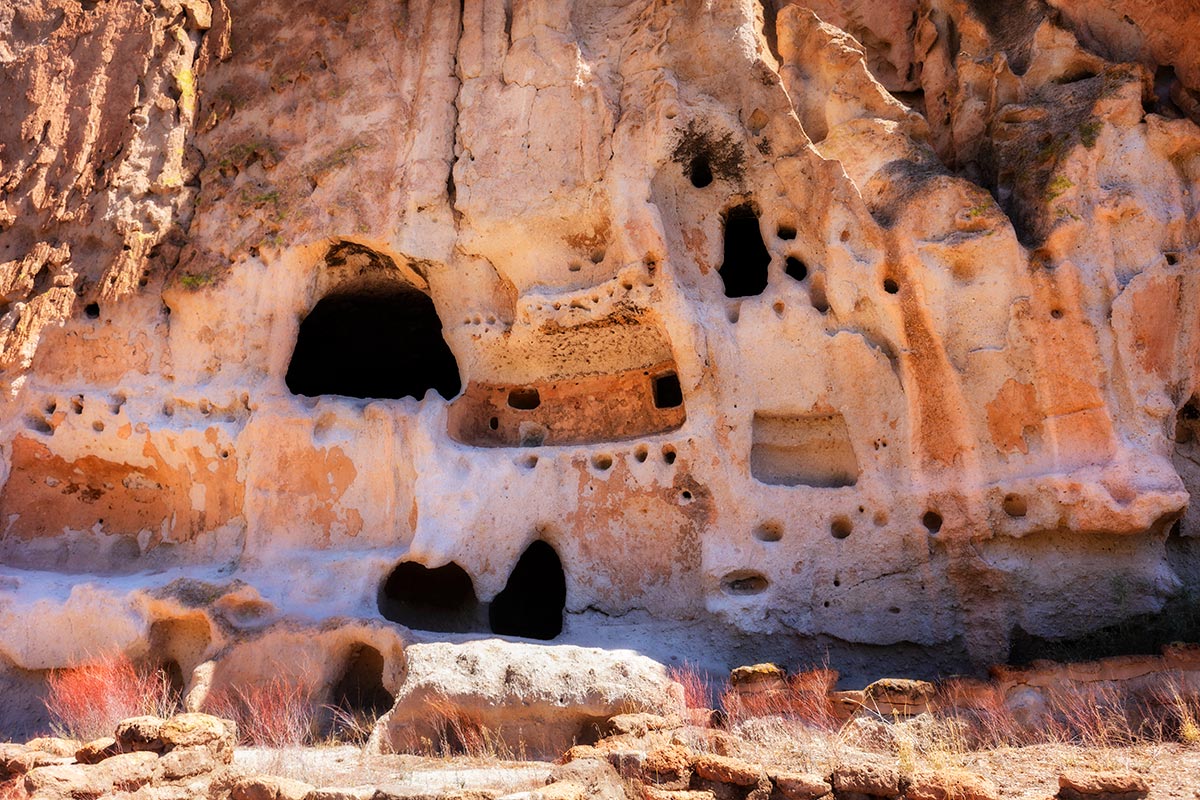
[[531, 604], [439, 599], [795, 269], [173, 681], [700, 172], [667, 391], [359, 690], [379, 343], [524, 399], [744, 268]]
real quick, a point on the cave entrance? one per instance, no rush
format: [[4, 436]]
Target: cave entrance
[[440, 599], [744, 268], [359, 691], [374, 343], [532, 602]]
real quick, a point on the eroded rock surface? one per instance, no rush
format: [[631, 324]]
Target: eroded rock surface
[[873, 322]]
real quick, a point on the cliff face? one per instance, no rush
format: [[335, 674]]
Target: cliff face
[[867, 321]]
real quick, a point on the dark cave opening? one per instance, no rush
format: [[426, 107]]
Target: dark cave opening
[[744, 268], [439, 599], [531, 604], [385, 343], [359, 689], [667, 391], [795, 269]]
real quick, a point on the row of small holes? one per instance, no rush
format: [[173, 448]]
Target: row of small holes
[[604, 461]]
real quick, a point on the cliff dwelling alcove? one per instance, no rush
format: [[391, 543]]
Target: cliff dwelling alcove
[[359, 689], [803, 450], [531, 604], [376, 342], [439, 599], [744, 267]]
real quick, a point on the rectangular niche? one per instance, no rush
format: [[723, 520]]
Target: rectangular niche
[[804, 450]]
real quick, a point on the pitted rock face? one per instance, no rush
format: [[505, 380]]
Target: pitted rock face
[[873, 323]]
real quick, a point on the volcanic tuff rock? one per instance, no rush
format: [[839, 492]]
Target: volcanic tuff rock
[[873, 322]]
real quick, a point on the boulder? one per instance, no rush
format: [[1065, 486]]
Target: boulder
[[952, 784], [200, 730], [139, 733], [758, 675], [187, 762], [67, 782], [656, 793], [636, 724], [269, 787], [898, 696], [16, 759], [668, 767], [874, 780], [800, 786], [540, 697], [53, 745], [97, 750], [722, 769], [342, 793], [1102, 785], [127, 771], [590, 779]]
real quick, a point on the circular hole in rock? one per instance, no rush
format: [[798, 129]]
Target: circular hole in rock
[[700, 172], [529, 462], [932, 521], [686, 496], [92, 310], [641, 453], [668, 454], [769, 532], [786, 232], [494, 423], [890, 286], [1014, 505], [524, 399], [840, 527], [98, 426], [602, 462], [744, 582]]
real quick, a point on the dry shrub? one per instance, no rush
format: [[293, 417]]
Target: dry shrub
[[697, 687], [804, 699], [1174, 713], [87, 702], [350, 725], [462, 733], [981, 715], [1095, 717], [277, 713]]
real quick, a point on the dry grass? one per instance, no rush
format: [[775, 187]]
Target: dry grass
[[276, 714], [697, 687], [463, 734], [88, 701], [1103, 726]]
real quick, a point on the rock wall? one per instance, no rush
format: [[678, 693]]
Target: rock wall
[[872, 322]]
